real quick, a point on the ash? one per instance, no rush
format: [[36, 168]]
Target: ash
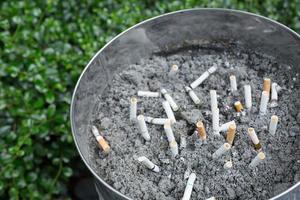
[[279, 171]]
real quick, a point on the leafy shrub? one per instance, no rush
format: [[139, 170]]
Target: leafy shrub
[[44, 47]]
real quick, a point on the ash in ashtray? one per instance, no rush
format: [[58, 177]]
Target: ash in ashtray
[[151, 169]]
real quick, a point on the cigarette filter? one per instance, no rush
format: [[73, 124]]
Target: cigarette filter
[[273, 125], [274, 96], [133, 108], [222, 150], [215, 121], [167, 96], [248, 96], [143, 127], [238, 106], [169, 111], [148, 94], [201, 130], [263, 103], [203, 77], [101, 141], [228, 164], [233, 85], [211, 198], [254, 138], [225, 126], [189, 187], [213, 99], [231, 133], [157, 121], [257, 160], [267, 85], [173, 71], [193, 95], [150, 165], [169, 132], [174, 148]]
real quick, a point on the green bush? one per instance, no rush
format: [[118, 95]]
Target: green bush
[[44, 47]]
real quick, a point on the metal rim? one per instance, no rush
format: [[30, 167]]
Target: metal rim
[[132, 27]]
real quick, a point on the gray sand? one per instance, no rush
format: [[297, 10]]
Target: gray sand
[[280, 170]]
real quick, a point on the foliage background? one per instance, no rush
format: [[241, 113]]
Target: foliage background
[[44, 46]]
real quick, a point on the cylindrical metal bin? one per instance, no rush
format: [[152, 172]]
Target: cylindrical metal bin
[[172, 31]]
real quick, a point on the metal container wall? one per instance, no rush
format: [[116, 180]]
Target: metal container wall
[[165, 33]]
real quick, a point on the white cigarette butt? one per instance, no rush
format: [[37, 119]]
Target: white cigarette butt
[[225, 126], [169, 132], [143, 127], [157, 121], [233, 84], [148, 94], [193, 95], [204, 76], [174, 148], [253, 136], [228, 164], [263, 103], [274, 95], [222, 150], [150, 165], [171, 101], [258, 159], [213, 99], [211, 198], [189, 187], [216, 121], [248, 96], [133, 108], [169, 111], [273, 125], [173, 71]]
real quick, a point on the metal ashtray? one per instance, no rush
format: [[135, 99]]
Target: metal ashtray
[[172, 31]]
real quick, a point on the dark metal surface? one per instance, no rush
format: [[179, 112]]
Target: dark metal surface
[[166, 33]]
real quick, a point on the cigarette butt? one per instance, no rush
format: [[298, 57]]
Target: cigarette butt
[[193, 95], [267, 85], [231, 133], [273, 125], [238, 106], [225, 126], [254, 138], [201, 130], [222, 150], [216, 121], [228, 164], [189, 187], [101, 141], [148, 94], [173, 71], [169, 99], [143, 127], [211, 198], [233, 84], [104, 145], [133, 108], [169, 111], [174, 148], [248, 97], [213, 99], [149, 164], [169, 131], [274, 96], [258, 159], [263, 103]]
